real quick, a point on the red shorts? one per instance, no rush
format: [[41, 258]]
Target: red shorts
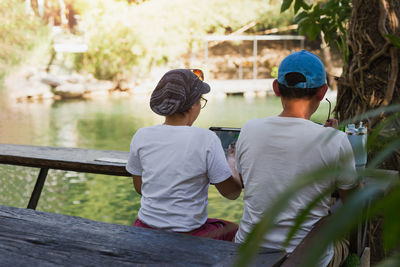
[[213, 228]]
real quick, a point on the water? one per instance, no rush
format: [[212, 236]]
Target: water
[[107, 124]]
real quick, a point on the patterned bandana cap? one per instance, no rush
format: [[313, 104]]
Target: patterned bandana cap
[[176, 92]]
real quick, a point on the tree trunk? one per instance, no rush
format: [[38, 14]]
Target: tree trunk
[[370, 80], [371, 76]]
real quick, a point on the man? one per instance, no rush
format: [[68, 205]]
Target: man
[[271, 153]]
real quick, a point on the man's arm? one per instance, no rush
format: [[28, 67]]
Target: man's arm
[[137, 183], [344, 194], [331, 123]]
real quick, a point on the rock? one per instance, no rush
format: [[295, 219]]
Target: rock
[[32, 90], [75, 78], [51, 80], [70, 90], [99, 85]]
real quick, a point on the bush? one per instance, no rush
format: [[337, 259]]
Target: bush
[[156, 32], [19, 34]]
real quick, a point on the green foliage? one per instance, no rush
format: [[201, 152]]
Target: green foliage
[[351, 213], [395, 40], [274, 72], [352, 261], [328, 16], [19, 34], [123, 36]]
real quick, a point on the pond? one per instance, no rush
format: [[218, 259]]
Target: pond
[[108, 124]]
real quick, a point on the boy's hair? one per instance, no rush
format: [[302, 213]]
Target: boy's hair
[[293, 78]]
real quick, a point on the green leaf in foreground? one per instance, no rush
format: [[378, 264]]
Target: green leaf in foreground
[[285, 5], [395, 40]]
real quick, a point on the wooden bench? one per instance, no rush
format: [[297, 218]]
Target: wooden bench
[[34, 238], [69, 159], [84, 160]]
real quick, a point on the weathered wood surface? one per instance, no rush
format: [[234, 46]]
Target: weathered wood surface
[[70, 159], [33, 238], [306, 245]]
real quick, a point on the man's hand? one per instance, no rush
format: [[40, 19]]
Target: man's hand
[[331, 123]]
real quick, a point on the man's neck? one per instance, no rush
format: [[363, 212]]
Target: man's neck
[[297, 108]]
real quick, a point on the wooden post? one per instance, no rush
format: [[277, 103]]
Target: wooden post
[[205, 53], [33, 201], [255, 59], [40, 7], [241, 62]]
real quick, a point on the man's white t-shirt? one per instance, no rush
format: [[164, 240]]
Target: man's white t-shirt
[[177, 164], [270, 154]]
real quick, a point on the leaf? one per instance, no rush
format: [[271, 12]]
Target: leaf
[[285, 5], [382, 155], [297, 5], [346, 217], [389, 205], [375, 133], [313, 31], [343, 220], [395, 40], [392, 261], [250, 247], [303, 214], [300, 17]]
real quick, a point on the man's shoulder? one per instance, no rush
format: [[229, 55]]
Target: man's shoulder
[[255, 123], [332, 132]]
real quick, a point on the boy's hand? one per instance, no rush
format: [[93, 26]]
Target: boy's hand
[[230, 156], [331, 123]]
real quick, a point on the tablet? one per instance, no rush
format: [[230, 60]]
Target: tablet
[[227, 135]]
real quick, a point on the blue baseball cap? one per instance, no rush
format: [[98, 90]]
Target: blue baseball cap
[[305, 63]]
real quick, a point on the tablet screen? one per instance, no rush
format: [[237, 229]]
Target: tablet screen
[[227, 135]]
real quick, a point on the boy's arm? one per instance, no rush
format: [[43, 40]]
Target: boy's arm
[[137, 183], [231, 187]]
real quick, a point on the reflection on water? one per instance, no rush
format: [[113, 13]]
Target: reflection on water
[[106, 124]]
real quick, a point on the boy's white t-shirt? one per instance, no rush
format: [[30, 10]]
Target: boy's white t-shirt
[[271, 153], [177, 164]]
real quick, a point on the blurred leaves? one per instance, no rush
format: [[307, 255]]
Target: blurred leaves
[[328, 16], [381, 193], [19, 33], [123, 36], [395, 40]]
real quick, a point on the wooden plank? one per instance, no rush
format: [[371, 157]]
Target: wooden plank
[[306, 245], [253, 37], [365, 258], [34, 238], [241, 86], [70, 159]]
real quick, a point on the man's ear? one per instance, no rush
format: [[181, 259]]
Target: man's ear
[[275, 87], [321, 92]]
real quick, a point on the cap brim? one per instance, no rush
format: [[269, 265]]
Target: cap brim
[[205, 88]]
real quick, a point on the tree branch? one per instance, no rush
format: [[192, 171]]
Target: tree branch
[[393, 76]]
